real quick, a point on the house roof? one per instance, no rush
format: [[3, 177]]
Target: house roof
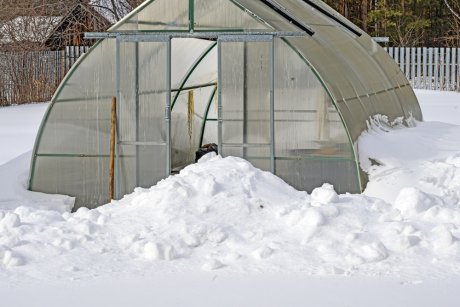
[[34, 29], [40, 29]]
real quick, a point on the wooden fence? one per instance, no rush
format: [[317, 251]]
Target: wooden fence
[[33, 76], [429, 68]]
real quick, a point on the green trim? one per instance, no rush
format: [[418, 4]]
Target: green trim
[[194, 87], [191, 70], [72, 155], [205, 117], [75, 155], [317, 158], [335, 103], [299, 158], [191, 15]]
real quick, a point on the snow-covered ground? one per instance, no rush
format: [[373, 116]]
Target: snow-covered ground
[[224, 233]]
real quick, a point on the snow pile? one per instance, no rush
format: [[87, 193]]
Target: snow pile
[[224, 214], [426, 157], [13, 189], [19, 125]]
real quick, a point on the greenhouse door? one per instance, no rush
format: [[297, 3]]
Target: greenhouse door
[[246, 99], [143, 112]]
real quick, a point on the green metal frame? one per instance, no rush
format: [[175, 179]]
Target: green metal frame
[[191, 15]]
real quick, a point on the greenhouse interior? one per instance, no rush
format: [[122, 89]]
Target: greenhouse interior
[[287, 85]]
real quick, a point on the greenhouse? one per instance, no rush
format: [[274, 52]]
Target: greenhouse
[[286, 84]]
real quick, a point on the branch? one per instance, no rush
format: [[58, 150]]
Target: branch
[[452, 10]]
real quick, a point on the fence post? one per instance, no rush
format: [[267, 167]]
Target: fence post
[[401, 58], [412, 71], [458, 69], [419, 67], [441, 69], [447, 70], [453, 67]]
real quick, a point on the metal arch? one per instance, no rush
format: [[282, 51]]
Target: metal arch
[[190, 72], [205, 117]]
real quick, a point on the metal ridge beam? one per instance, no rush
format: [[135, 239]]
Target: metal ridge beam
[[140, 36]]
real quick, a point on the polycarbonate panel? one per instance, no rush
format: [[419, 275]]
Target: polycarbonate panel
[[223, 14], [80, 128], [267, 15], [182, 62], [157, 15], [351, 67], [311, 173], [72, 147], [141, 115], [312, 146], [245, 82], [85, 178]]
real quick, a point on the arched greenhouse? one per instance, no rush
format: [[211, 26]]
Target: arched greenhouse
[[285, 84]]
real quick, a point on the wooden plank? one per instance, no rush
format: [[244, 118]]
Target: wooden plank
[[113, 121]]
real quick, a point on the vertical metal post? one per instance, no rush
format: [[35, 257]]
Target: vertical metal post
[[117, 132], [168, 107], [272, 105], [219, 96], [136, 93], [245, 99], [191, 15]]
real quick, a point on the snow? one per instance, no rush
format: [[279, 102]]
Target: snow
[[19, 125], [440, 106], [222, 232]]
